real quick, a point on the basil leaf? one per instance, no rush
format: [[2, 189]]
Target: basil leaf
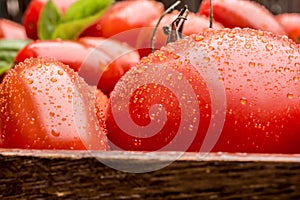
[[79, 16], [49, 19], [8, 51]]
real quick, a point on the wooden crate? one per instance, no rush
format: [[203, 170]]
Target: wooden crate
[[34, 174]]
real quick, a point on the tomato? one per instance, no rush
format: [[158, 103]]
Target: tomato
[[130, 18], [102, 66], [192, 25], [32, 13], [126, 15], [121, 57], [229, 90], [11, 30], [46, 105], [240, 13], [291, 24]]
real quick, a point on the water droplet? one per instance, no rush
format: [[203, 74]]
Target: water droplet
[[243, 100], [206, 59], [53, 80], [269, 47], [55, 133], [52, 114], [290, 95], [29, 81], [168, 77], [199, 38], [251, 64], [180, 76], [60, 72], [296, 78], [247, 45]]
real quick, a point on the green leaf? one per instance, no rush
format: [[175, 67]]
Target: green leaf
[[49, 19], [79, 16], [8, 51]]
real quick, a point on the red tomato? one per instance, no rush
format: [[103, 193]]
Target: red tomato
[[32, 13], [11, 30], [120, 59], [128, 18], [291, 24], [102, 66], [215, 91], [194, 24], [242, 13], [45, 105], [126, 15]]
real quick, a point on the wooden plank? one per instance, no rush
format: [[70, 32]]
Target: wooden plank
[[81, 175]]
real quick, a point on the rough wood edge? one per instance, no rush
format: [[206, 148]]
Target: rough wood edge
[[163, 156]]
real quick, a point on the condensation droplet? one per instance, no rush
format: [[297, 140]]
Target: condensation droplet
[[251, 64], [60, 72], [243, 100], [290, 95], [29, 81], [53, 80], [269, 47], [247, 45]]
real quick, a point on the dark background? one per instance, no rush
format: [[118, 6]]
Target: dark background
[[13, 9]]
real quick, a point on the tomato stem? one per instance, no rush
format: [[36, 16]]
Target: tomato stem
[[170, 9], [211, 15], [175, 31]]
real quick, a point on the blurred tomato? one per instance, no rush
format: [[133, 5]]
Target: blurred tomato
[[11, 30], [32, 13], [291, 24]]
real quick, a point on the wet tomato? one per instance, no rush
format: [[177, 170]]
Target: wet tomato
[[99, 61], [46, 105], [229, 90]]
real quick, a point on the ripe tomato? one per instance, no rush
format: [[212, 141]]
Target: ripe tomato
[[240, 13], [130, 18], [291, 24], [194, 24], [32, 13], [121, 57], [214, 91], [45, 105], [99, 61], [11, 30], [126, 15]]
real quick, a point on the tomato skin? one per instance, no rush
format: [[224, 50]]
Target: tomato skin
[[32, 13], [11, 30], [121, 58], [68, 52], [37, 100], [291, 24], [257, 69], [130, 17], [106, 68], [239, 13]]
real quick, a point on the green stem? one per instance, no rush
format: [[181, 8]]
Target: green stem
[[170, 9]]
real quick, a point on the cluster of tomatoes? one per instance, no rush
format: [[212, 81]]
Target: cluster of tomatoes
[[86, 78]]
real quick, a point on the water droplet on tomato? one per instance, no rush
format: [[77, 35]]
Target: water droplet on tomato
[[60, 72], [269, 47], [251, 64], [53, 80], [290, 95], [243, 100], [29, 81]]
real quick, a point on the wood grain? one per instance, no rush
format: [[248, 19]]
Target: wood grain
[[81, 175]]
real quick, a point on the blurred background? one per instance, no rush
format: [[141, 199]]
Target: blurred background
[[13, 9]]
